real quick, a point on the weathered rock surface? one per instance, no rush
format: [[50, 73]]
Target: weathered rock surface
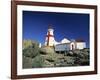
[[35, 57]]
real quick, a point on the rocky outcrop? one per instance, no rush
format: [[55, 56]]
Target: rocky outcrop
[[35, 57]]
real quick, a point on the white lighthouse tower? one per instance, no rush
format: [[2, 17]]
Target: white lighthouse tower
[[50, 41]]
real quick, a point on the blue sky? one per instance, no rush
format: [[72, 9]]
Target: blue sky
[[65, 25]]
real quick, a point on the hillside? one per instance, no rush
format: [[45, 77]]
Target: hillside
[[35, 57]]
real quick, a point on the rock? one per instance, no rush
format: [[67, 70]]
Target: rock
[[84, 62], [70, 60], [47, 50], [77, 52], [35, 57], [86, 50], [27, 62], [48, 64], [70, 53], [38, 62], [50, 60]]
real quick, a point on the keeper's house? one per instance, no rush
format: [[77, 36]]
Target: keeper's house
[[72, 45]]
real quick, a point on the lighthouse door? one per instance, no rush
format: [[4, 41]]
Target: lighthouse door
[[72, 47]]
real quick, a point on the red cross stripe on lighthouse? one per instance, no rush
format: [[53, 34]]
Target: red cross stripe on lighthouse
[[48, 38]]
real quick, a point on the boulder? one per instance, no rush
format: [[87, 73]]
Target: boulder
[[47, 50]]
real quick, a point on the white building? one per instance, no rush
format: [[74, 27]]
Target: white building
[[65, 43], [80, 44], [65, 40]]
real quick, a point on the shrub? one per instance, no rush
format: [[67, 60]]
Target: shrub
[[37, 62], [32, 50]]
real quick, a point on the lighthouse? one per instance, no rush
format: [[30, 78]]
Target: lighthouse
[[50, 41]]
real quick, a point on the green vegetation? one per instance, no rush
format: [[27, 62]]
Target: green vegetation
[[38, 62], [35, 57]]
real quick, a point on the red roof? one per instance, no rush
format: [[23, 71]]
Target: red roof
[[79, 40], [50, 26]]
